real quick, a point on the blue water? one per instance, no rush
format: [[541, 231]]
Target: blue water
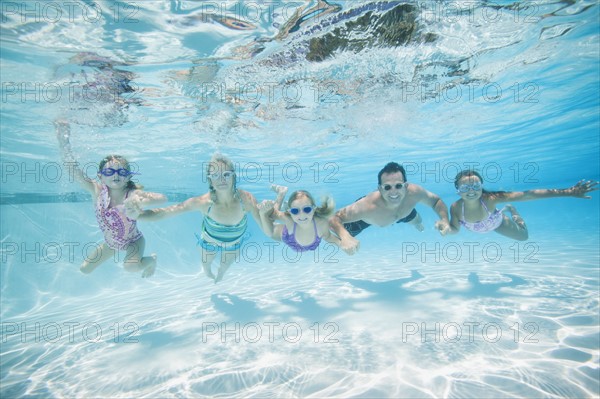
[[508, 88]]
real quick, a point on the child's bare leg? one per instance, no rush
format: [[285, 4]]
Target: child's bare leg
[[149, 265], [227, 258], [281, 192], [135, 260], [207, 260], [100, 254], [515, 227], [417, 222]]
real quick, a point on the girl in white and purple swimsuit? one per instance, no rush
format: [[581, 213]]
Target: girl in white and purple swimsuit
[[472, 211], [115, 197], [303, 225]]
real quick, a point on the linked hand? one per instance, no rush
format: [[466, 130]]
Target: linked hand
[[266, 206], [350, 245], [133, 207], [443, 226]]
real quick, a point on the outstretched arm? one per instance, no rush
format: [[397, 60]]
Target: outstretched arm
[[436, 203], [454, 219], [348, 214], [268, 214], [191, 204], [265, 210], [326, 233], [250, 205], [63, 134], [146, 198], [579, 190], [135, 202], [281, 192], [332, 238]]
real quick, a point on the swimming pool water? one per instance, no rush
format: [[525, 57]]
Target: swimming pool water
[[510, 88]]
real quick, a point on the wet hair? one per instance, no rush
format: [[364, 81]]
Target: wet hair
[[124, 163], [391, 167], [472, 173], [325, 210], [467, 173], [229, 166]]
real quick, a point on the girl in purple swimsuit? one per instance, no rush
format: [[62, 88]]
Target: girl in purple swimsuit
[[476, 210], [115, 197], [303, 225]]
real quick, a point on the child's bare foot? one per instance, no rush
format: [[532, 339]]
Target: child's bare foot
[[149, 270], [208, 272], [220, 275]]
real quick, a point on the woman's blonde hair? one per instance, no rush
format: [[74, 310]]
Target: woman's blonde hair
[[229, 166]]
